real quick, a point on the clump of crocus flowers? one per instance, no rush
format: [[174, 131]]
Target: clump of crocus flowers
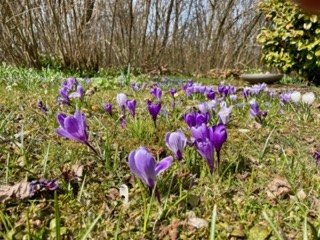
[[209, 140]]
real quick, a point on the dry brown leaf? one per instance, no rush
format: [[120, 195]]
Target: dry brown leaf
[[278, 188], [170, 231], [289, 151], [195, 221], [243, 176], [20, 191], [255, 125], [309, 139], [77, 170]]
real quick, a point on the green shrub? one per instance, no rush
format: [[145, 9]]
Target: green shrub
[[291, 39]]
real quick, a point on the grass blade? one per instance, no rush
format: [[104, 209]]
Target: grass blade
[[266, 143], [57, 215], [265, 215], [213, 223], [85, 236]]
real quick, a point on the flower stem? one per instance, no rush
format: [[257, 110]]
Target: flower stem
[[95, 151]]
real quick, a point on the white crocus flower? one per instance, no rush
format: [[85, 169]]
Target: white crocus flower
[[295, 96], [122, 100], [308, 98]]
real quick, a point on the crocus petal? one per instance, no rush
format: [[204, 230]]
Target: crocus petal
[[81, 119], [60, 118], [218, 136], [308, 98], [200, 132], [64, 133], [132, 165], [163, 165], [206, 150], [176, 142], [145, 164], [73, 127], [122, 99]]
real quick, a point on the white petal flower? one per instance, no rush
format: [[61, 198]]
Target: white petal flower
[[295, 96], [121, 99], [308, 98]]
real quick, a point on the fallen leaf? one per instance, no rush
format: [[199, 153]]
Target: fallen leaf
[[195, 221], [243, 176], [77, 171], [171, 231], [20, 191], [278, 188], [301, 194], [289, 151], [309, 139], [255, 125]]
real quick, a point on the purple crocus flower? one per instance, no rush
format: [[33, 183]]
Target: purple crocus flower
[[43, 107], [44, 184], [218, 136], [78, 94], [122, 100], [134, 86], [74, 128], [316, 156], [176, 142], [196, 119], [145, 167], [212, 105], [224, 113], [202, 118], [157, 93], [246, 92], [221, 88], [200, 133], [233, 97], [172, 92], [206, 150], [255, 111], [200, 89], [284, 98], [123, 123], [64, 98], [132, 106], [190, 119], [108, 108], [70, 83], [154, 110], [258, 88], [203, 107], [211, 94]]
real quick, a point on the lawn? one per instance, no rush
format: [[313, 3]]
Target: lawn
[[79, 159]]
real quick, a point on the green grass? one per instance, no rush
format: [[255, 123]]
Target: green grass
[[233, 201]]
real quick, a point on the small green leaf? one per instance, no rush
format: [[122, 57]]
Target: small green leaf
[[314, 18], [307, 26]]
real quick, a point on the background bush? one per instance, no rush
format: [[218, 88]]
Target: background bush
[[291, 39]]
